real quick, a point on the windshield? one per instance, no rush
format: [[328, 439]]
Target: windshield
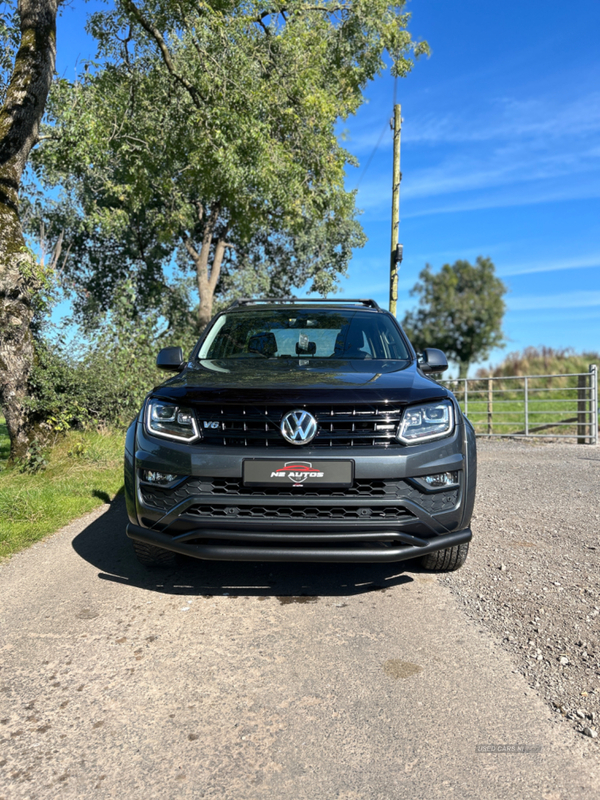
[[304, 333]]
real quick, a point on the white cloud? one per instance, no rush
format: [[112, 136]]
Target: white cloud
[[498, 168], [507, 119], [509, 143], [521, 195], [570, 319], [558, 301], [503, 119], [528, 178], [576, 262]]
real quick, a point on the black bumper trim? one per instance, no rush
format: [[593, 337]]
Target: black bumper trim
[[415, 513], [271, 547]]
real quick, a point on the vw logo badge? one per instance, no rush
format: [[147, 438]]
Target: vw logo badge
[[298, 427]]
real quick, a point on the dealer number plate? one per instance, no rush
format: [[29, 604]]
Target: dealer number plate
[[283, 472]]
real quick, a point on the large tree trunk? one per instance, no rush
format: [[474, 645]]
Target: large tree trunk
[[463, 368], [20, 118], [206, 300], [206, 278]]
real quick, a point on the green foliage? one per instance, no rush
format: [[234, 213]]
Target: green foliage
[[35, 504], [542, 361], [35, 459], [78, 450], [213, 125], [460, 311], [103, 383]]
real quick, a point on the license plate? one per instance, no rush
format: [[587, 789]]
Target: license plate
[[297, 472]]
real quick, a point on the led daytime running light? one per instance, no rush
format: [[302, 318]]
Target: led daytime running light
[[426, 422], [171, 421]]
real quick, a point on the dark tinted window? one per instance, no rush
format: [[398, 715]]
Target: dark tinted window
[[304, 333]]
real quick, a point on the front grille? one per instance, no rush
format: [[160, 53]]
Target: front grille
[[230, 488], [361, 488], [298, 512], [369, 425]]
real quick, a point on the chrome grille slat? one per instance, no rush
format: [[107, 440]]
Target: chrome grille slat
[[369, 425]]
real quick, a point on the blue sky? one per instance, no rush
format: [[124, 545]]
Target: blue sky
[[500, 157]]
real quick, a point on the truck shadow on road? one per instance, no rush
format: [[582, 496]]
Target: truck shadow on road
[[104, 545]]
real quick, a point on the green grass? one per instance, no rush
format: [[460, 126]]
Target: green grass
[[85, 469], [551, 399], [550, 404], [4, 442]]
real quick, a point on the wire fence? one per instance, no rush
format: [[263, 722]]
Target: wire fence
[[557, 406]]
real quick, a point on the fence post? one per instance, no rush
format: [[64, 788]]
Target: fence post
[[583, 385], [490, 409], [593, 370], [526, 406], [466, 398]]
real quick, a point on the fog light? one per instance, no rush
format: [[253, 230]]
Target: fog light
[[442, 479], [151, 476]]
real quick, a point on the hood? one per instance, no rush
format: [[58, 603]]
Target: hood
[[301, 381]]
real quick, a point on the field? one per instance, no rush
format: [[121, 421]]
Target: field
[[541, 406], [84, 470]]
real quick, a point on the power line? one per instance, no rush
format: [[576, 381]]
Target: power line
[[375, 149]]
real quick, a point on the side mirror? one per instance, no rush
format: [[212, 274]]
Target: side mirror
[[170, 358], [433, 360]]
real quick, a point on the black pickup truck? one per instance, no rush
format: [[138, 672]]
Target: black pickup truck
[[300, 430]]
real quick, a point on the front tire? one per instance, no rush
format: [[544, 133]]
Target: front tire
[[151, 556], [446, 560]]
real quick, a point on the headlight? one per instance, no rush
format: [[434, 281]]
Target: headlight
[[171, 421], [426, 422]]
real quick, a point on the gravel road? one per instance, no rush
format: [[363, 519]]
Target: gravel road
[[533, 574], [314, 682]]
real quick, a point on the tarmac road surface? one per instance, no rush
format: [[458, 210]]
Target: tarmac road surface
[[266, 681]]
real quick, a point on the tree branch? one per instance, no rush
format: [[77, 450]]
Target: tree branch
[[216, 265], [276, 11], [189, 246], [218, 260], [66, 256], [264, 27], [155, 34], [57, 249]]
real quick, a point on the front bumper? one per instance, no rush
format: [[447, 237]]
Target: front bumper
[[386, 516], [307, 547]]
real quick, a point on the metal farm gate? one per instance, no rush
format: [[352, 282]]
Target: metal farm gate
[[555, 406]]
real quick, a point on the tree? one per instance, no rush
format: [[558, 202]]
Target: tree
[[207, 136], [23, 102], [460, 311]]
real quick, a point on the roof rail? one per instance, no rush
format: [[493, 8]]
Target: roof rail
[[248, 301]]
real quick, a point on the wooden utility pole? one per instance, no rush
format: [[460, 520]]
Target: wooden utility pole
[[396, 248]]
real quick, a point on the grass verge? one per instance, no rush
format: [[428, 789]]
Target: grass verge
[[85, 469]]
